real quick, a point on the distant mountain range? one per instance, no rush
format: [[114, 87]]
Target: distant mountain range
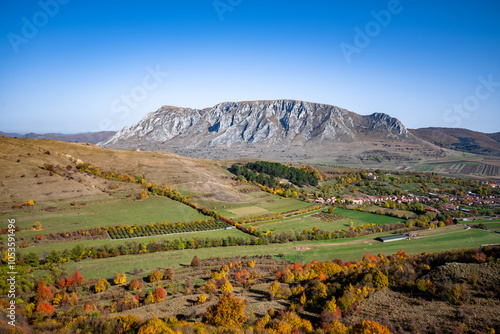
[[461, 140], [90, 137]]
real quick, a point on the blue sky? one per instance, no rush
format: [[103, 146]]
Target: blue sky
[[79, 66]]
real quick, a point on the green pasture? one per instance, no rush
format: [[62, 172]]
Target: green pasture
[[109, 213], [438, 243]]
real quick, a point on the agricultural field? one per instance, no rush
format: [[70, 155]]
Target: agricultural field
[[310, 220], [461, 168], [125, 211]]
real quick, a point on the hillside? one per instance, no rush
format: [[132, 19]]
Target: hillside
[[23, 179], [461, 140], [279, 130]]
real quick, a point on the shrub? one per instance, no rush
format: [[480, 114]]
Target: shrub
[[168, 273], [202, 299], [134, 284], [155, 276], [101, 285], [370, 327], [195, 262], [226, 287], [227, 312], [380, 280], [45, 308], [159, 294], [37, 226], [120, 279]]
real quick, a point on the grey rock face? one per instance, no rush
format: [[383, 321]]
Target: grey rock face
[[279, 123]]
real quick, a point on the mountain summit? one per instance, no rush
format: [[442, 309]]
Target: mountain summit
[[256, 126]]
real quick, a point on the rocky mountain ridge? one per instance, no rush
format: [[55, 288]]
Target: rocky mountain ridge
[[277, 124]]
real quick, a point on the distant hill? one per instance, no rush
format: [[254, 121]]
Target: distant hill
[[90, 137], [461, 140]]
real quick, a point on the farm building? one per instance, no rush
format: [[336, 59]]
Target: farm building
[[390, 238]]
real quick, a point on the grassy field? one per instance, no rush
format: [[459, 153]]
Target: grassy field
[[439, 242], [308, 222], [305, 251], [40, 249], [248, 211], [284, 204], [109, 213]]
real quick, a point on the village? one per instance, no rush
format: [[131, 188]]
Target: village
[[433, 202]]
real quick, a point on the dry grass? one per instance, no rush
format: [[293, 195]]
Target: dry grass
[[22, 178]]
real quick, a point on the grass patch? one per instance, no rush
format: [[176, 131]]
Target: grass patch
[[248, 210]]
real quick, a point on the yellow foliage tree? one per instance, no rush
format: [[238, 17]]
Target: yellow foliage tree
[[202, 299], [226, 287], [228, 312], [155, 276], [336, 327], [101, 285], [370, 327], [380, 280], [120, 279], [331, 305], [37, 226]]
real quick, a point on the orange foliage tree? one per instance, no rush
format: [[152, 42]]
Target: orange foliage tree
[[45, 308], [159, 294], [43, 293]]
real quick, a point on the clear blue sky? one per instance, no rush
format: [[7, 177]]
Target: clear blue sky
[[82, 66]]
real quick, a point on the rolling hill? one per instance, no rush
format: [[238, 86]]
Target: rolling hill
[[461, 140]]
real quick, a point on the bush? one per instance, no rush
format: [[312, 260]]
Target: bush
[[155, 276], [120, 279], [228, 312]]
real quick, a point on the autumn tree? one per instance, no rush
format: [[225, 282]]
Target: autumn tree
[[134, 284], [120, 279], [155, 276], [380, 280], [370, 327], [45, 308], [169, 273], [227, 312], [336, 327], [37, 226], [195, 262], [226, 287], [74, 299], [101, 285], [43, 293], [159, 294]]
